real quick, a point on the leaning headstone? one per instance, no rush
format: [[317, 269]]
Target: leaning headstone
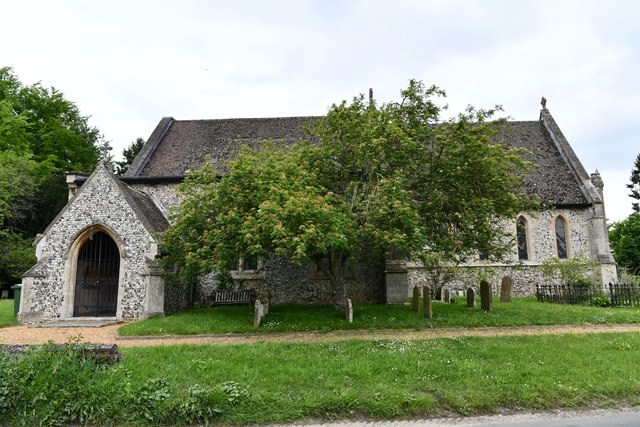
[[505, 289], [471, 298], [416, 299], [447, 296], [258, 313], [349, 311], [485, 295], [428, 306]]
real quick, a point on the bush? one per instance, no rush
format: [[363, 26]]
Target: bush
[[601, 302], [56, 385]]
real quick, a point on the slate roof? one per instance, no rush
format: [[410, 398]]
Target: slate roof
[[177, 146]]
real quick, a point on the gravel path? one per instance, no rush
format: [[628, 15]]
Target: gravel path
[[108, 335]]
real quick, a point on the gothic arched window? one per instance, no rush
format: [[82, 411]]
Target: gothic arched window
[[521, 234], [561, 238]]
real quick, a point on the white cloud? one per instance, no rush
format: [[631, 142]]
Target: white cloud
[[127, 64]]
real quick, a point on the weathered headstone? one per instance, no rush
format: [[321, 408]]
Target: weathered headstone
[[471, 298], [349, 311], [265, 308], [438, 293], [447, 296], [485, 295], [416, 299], [428, 306], [505, 289], [258, 313]]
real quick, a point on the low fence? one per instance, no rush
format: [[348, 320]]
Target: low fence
[[618, 295]]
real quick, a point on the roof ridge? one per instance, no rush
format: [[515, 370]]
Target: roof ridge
[[247, 118]]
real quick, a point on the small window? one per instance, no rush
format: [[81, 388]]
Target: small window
[[250, 262], [561, 238], [521, 233], [246, 263]]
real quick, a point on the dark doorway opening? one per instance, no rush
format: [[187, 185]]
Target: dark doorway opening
[[97, 276]]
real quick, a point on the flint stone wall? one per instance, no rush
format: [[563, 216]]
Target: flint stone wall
[[98, 203], [525, 274], [281, 282]]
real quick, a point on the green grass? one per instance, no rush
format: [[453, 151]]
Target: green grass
[[6, 313], [239, 319], [382, 379]]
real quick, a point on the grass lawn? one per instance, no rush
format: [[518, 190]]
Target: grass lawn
[[239, 319], [387, 379], [276, 382], [6, 313]]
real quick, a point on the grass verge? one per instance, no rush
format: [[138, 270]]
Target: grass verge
[[380, 379], [285, 318], [6, 313]]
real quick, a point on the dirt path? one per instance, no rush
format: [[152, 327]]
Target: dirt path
[[107, 335]]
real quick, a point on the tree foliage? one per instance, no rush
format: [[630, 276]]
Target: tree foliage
[[624, 237], [578, 271], [42, 134], [380, 178], [129, 154], [634, 185]]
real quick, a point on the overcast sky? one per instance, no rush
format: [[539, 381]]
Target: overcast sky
[[129, 63]]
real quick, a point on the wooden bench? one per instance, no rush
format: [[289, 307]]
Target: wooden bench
[[243, 296]]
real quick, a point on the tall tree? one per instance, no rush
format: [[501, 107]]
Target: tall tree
[[382, 178], [634, 186], [624, 237], [42, 134], [129, 154]]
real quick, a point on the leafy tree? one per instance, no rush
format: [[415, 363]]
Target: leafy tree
[[624, 237], [42, 135], [129, 154], [19, 180], [388, 178], [634, 186], [577, 271]]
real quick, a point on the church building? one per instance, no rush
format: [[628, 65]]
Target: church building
[[99, 257]]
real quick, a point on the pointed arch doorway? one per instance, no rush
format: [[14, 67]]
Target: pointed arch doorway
[[97, 275]]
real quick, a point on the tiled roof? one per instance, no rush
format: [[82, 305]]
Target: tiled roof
[[186, 143], [551, 178], [177, 146]]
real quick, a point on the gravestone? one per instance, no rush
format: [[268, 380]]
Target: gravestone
[[505, 289], [471, 298], [258, 313], [428, 306], [485, 295], [349, 311], [447, 297], [416, 299], [438, 293]]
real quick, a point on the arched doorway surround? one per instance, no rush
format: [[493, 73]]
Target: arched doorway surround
[[95, 275]]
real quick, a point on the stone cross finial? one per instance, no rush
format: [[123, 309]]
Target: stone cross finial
[[104, 150], [543, 102], [596, 179]]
